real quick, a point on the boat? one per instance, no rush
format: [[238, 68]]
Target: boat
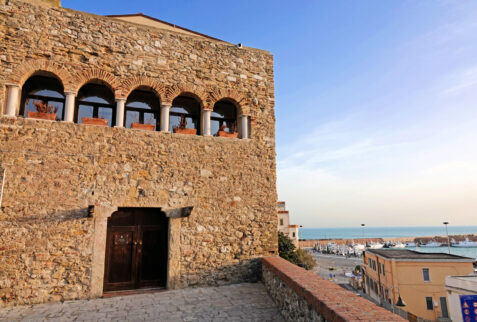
[[431, 244], [359, 247], [399, 245], [411, 244], [376, 245], [465, 244]]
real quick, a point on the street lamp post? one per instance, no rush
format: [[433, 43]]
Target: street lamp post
[[362, 225], [399, 302], [447, 233]]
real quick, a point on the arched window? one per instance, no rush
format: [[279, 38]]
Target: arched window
[[142, 107], [223, 118], [42, 90], [95, 101], [185, 108]]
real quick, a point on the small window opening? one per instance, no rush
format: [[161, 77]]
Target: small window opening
[[43, 90], [142, 107], [184, 114], [95, 101], [224, 117]]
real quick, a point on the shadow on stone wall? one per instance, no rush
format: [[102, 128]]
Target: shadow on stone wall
[[241, 272], [56, 216]]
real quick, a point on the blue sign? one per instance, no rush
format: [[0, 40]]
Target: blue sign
[[468, 304]]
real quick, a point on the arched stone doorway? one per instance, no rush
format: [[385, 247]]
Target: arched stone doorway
[[136, 249]]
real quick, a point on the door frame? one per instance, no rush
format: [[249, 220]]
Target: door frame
[[100, 217]]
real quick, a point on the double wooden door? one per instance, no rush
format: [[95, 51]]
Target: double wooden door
[[136, 249]]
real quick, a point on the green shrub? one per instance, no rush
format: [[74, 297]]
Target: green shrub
[[305, 259]]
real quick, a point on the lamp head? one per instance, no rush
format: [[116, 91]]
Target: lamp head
[[400, 302]]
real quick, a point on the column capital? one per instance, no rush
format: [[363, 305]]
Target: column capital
[[169, 105], [70, 93], [12, 85], [120, 99]]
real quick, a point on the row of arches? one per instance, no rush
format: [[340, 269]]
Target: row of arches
[[95, 99]]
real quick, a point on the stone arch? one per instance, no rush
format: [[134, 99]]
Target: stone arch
[[32, 67], [97, 74], [138, 81], [239, 100], [176, 90]]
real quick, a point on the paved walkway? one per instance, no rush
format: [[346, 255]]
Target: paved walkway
[[239, 302]]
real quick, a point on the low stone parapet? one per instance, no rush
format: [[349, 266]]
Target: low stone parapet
[[303, 296]]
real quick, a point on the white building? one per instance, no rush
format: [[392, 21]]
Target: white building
[[458, 286], [284, 223]]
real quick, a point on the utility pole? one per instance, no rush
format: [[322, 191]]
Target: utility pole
[[362, 225], [447, 233]]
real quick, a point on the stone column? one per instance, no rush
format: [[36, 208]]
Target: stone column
[[12, 99], [206, 122], [244, 126], [165, 108], [120, 112], [69, 106]]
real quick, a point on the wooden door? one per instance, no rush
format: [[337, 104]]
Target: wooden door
[[136, 249]]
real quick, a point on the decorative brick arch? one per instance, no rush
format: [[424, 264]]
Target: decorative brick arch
[[132, 83], [241, 101], [176, 90], [31, 67], [95, 73]]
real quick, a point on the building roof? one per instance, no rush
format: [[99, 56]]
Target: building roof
[[411, 255], [467, 283], [143, 19]]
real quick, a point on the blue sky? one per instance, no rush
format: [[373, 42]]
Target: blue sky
[[376, 101]]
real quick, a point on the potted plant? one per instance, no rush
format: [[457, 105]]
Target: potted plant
[[148, 125], [182, 127], [43, 111], [94, 121], [231, 134]]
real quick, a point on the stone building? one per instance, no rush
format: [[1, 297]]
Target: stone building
[[284, 224], [175, 184]]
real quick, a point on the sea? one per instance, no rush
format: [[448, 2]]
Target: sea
[[388, 232]]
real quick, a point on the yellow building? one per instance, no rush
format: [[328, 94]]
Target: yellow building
[[417, 278]]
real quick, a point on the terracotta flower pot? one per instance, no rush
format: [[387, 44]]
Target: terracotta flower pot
[[94, 121], [140, 126], [225, 134], [184, 131], [42, 116]]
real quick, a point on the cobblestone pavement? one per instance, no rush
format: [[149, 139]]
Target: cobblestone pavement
[[238, 302]]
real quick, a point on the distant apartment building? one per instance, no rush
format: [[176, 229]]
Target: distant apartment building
[[284, 223], [462, 297], [415, 279]]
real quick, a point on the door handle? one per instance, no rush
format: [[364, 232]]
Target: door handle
[[140, 242]]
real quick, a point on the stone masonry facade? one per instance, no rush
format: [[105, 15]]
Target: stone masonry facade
[[51, 247]]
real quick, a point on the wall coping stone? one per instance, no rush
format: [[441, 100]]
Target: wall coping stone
[[329, 300]]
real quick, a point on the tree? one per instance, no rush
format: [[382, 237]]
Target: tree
[[288, 251]]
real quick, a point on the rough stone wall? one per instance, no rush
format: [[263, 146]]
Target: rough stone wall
[[291, 306], [56, 169], [302, 295]]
